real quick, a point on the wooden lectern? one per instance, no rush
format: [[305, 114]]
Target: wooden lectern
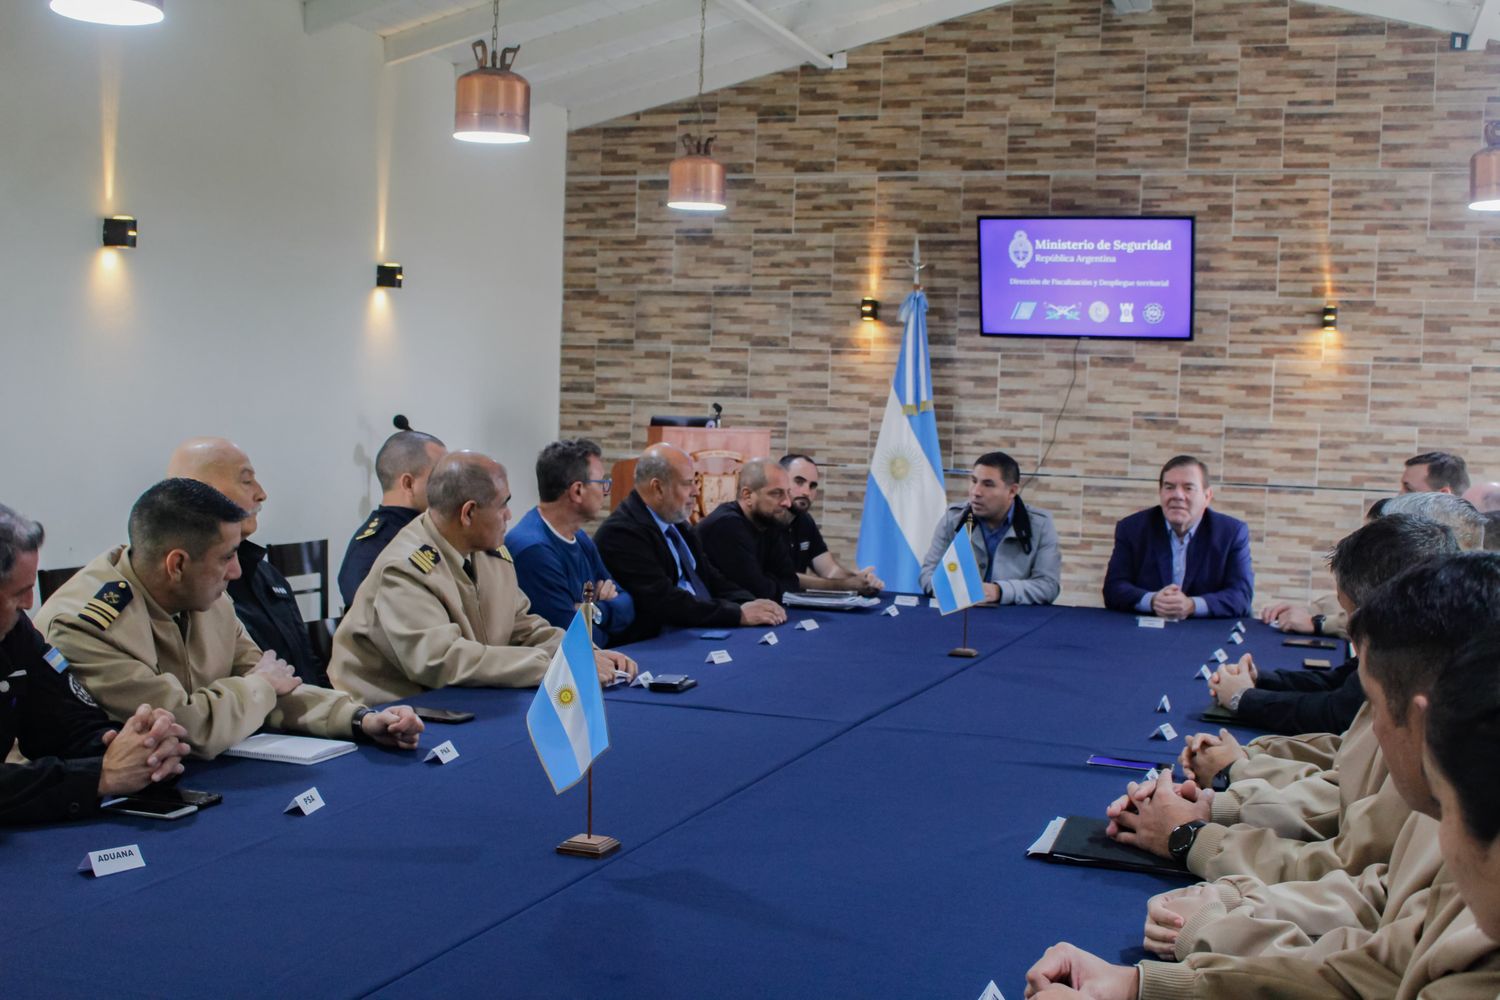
[[718, 453]]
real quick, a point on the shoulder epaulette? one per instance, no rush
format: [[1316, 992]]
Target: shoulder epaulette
[[503, 553], [369, 529], [425, 559], [104, 607]]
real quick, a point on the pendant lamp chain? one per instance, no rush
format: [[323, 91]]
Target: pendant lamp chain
[[702, 38], [495, 35]]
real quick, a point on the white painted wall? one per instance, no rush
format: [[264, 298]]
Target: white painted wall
[[266, 167]]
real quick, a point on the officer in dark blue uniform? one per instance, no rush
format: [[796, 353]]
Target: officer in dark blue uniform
[[75, 755], [402, 466]]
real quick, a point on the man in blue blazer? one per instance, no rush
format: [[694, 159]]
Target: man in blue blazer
[[1180, 559]]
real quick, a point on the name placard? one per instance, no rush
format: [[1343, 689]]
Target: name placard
[[907, 600], [891, 611], [1220, 655], [718, 656], [807, 625], [1165, 705], [443, 752], [1205, 673], [112, 860], [306, 803], [1236, 638], [992, 992], [1144, 622], [1164, 732], [769, 639]]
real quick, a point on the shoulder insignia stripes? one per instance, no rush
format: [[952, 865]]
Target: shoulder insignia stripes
[[425, 559], [503, 553], [369, 530], [104, 607]]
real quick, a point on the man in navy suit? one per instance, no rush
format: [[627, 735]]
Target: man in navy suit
[[1180, 559]]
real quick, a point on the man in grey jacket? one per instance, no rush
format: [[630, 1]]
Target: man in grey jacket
[[1014, 545]]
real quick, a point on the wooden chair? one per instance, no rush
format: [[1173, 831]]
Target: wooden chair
[[49, 580], [305, 566]]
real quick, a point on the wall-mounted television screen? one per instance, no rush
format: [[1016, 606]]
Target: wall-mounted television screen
[[1128, 277]]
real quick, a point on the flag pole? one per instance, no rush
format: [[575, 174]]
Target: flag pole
[[966, 651], [586, 845]]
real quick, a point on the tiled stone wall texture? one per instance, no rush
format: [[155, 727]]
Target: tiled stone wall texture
[[1324, 154]]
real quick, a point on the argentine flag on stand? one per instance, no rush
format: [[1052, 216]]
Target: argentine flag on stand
[[956, 583], [566, 719], [904, 497]]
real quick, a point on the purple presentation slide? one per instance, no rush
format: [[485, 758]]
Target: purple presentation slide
[[1096, 277]]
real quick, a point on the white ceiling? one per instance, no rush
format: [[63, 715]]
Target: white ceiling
[[604, 58]]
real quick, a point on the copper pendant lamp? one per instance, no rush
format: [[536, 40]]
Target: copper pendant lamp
[[695, 181], [121, 12], [1484, 172], [491, 103]]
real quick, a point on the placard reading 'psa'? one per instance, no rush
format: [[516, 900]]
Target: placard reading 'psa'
[[1096, 277]]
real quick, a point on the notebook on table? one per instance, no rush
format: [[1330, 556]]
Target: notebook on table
[[1081, 840], [286, 749]]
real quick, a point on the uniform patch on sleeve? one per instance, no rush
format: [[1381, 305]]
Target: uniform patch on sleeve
[[104, 607], [369, 530], [503, 553], [426, 559], [80, 692], [55, 660]]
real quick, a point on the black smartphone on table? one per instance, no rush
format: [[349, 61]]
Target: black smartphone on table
[[443, 715]]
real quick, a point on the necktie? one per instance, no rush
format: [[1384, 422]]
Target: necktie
[[469, 571], [688, 578]]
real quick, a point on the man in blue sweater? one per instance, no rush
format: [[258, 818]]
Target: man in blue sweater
[[554, 556]]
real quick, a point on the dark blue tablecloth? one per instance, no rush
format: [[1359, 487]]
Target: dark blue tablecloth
[[843, 814]]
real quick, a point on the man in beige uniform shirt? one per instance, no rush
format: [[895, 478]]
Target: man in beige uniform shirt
[[1410, 629], [1431, 945], [441, 607], [151, 623]]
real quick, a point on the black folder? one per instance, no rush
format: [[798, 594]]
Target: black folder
[[1219, 715], [1082, 841]]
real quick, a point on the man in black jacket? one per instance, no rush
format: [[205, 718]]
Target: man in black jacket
[[661, 566], [1317, 701], [75, 756], [263, 599], [745, 538]]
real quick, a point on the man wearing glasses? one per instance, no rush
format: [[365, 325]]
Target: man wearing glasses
[[554, 556]]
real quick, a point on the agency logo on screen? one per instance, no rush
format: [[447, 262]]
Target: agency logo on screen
[[1099, 312], [1154, 313], [1023, 310], [1020, 249]]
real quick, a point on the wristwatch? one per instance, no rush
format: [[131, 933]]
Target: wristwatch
[[1234, 701], [1222, 780], [357, 723], [1181, 840], [1318, 621]]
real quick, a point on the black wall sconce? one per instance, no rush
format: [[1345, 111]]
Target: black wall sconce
[[388, 275], [1330, 318], [869, 309], [119, 231]]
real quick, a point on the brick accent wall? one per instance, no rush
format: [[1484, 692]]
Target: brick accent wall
[[1324, 154]]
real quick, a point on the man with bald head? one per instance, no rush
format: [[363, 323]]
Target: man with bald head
[[1484, 496], [745, 538], [263, 599], [401, 466], [441, 606], [671, 579]]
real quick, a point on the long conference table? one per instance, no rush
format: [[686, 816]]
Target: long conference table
[[842, 814]]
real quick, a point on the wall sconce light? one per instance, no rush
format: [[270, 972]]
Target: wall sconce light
[[119, 231], [388, 275], [869, 309], [129, 13], [1330, 319]]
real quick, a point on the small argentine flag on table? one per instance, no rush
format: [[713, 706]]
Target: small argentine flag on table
[[956, 583], [566, 719]]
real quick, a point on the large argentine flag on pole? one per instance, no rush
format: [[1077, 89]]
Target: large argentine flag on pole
[[566, 719], [956, 583], [904, 497]]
